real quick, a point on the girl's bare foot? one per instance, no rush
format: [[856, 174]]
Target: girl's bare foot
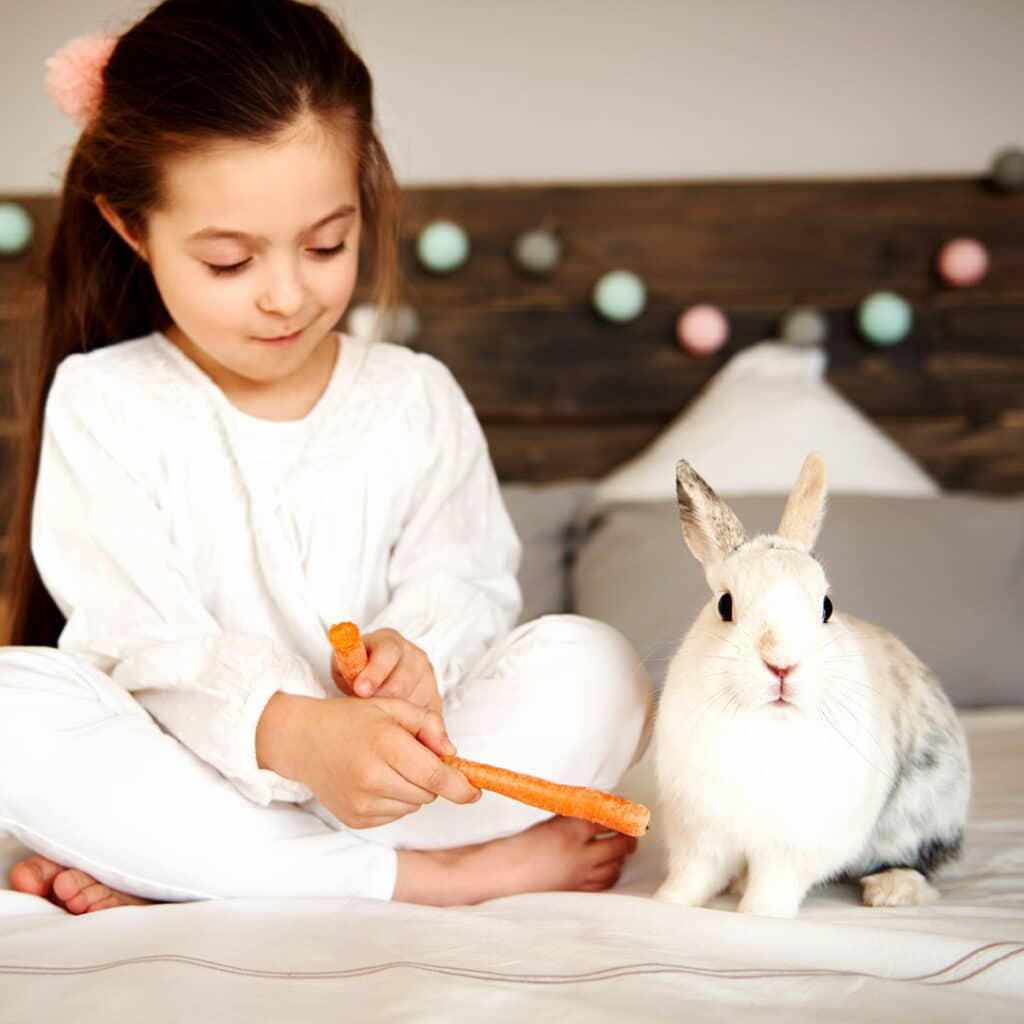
[[75, 891], [562, 853]]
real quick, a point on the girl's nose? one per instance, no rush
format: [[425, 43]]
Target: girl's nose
[[284, 294]]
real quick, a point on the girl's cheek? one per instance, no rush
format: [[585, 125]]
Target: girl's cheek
[[343, 283], [223, 308]]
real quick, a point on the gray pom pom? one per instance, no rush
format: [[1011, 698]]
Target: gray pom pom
[[537, 252], [804, 326], [1008, 170]]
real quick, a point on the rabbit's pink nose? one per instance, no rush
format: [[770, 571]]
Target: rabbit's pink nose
[[780, 671]]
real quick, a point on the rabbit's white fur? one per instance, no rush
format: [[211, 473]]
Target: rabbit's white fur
[[854, 763]]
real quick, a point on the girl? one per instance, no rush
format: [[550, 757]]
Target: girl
[[232, 476]]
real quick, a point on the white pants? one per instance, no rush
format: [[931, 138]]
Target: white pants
[[88, 779]]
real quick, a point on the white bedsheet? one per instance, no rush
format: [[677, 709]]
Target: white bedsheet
[[552, 957]]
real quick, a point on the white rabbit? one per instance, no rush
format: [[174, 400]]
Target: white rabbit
[[795, 744]]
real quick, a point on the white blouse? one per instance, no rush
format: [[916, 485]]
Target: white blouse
[[199, 554]]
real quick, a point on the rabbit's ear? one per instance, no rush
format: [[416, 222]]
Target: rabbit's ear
[[805, 507], [710, 527]]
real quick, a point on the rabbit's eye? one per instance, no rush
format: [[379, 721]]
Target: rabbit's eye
[[725, 607], [826, 611]]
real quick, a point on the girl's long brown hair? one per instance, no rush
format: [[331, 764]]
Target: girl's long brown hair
[[190, 73]]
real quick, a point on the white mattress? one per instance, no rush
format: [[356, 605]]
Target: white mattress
[[552, 957]]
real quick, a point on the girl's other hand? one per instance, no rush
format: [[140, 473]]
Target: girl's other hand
[[396, 667], [367, 761]]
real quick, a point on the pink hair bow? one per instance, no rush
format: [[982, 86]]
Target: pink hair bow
[[75, 75]]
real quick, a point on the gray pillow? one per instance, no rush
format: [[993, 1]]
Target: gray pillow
[[945, 574], [543, 515]]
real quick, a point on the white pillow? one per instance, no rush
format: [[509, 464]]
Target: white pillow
[[751, 427]]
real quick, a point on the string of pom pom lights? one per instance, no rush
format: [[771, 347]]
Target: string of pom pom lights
[[620, 296]]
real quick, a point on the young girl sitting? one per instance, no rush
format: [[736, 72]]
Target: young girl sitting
[[221, 475]]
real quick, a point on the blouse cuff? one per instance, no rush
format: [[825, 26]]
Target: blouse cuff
[[288, 674], [218, 719]]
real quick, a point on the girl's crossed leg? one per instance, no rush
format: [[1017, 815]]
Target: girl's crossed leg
[[561, 697]]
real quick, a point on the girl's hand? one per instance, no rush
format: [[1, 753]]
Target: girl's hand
[[396, 667], [367, 761]]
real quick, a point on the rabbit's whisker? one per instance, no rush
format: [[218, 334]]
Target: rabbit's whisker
[[711, 700], [858, 721], [842, 630], [659, 644], [862, 683], [835, 728], [720, 638]]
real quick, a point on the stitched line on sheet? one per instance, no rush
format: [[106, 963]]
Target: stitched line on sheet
[[606, 974]]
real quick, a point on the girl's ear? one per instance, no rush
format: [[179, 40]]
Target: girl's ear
[[805, 507], [710, 527], [113, 218]]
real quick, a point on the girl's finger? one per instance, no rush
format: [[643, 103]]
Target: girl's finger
[[398, 684], [385, 811], [375, 821], [364, 686], [426, 725], [403, 790], [384, 655], [417, 687], [422, 769]]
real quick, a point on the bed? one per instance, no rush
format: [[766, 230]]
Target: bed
[[926, 445]]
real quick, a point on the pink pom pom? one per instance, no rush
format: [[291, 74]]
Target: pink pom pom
[[963, 262], [702, 330], [75, 75]]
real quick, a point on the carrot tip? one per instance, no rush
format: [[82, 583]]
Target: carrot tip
[[344, 636]]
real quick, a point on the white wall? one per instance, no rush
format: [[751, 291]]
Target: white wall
[[573, 90]]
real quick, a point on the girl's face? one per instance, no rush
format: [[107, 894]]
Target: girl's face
[[255, 255]]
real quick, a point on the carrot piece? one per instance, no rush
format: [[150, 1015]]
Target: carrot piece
[[348, 645], [572, 801]]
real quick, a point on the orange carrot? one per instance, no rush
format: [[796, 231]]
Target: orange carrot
[[348, 645], [572, 801]]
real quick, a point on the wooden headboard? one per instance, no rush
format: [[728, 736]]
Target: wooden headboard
[[563, 394]]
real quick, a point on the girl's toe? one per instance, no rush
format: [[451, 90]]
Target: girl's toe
[[111, 900], [69, 883], [93, 894], [77, 904], [34, 875], [607, 874]]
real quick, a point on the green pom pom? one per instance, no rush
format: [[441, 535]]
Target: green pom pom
[[620, 296], [884, 318], [442, 247], [15, 229]]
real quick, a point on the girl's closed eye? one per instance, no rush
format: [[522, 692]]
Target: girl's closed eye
[[218, 269]]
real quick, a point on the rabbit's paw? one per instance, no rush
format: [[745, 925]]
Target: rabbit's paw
[[897, 887]]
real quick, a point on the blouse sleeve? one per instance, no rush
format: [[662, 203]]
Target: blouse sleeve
[[105, 552], [452, 573]]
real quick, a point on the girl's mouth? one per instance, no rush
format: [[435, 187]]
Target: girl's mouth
[[283, 339]]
